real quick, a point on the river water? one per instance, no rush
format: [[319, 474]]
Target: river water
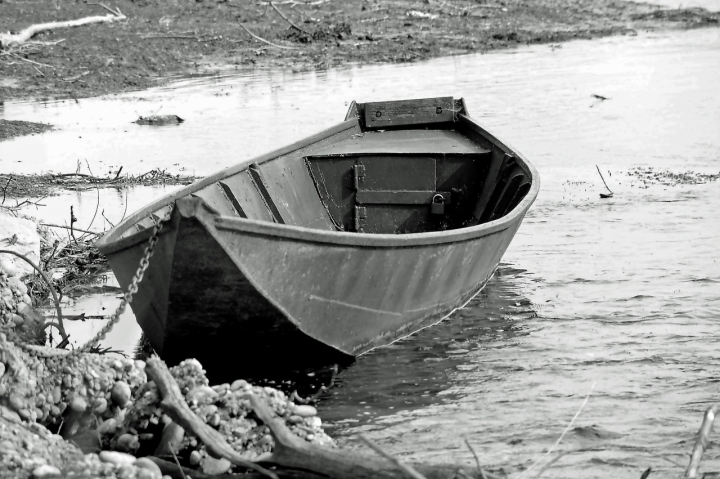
[[616, 298]]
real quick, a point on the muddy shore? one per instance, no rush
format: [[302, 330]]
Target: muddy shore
[[159, 40]]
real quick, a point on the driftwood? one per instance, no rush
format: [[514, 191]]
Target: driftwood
[[291, 451], [7, 39], [175, 406]]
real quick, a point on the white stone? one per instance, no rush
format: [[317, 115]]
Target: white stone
[[305, 410], [147, 464], [215, 467], [117, 458], [27, 244], [45, 471]]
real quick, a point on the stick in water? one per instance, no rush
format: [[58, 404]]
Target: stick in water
[[702, 441], [561, 435], [603, 195]]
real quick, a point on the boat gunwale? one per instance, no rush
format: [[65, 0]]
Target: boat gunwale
[[109, 244]]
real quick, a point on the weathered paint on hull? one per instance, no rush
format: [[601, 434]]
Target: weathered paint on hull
[[307, 304]]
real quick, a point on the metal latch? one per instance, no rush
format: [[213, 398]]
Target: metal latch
[[358, 175], [360, 216]]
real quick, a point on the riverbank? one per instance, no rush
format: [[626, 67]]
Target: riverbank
[[159, 40]]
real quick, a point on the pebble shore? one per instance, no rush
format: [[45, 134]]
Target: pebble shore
[[51, 407]]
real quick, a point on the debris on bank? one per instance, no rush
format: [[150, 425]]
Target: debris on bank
[[42, 185], [101, 404], [159, 120]]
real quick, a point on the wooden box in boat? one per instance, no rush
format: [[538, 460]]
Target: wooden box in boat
[[327, 248]]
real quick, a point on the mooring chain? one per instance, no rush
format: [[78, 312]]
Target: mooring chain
[[127, 299]]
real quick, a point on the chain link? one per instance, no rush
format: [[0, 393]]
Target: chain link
[[40, 351]]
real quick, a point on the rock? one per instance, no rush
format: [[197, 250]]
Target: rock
[[78, 404], [17, 319], [305, 410], [172, 436], [295, 419], [195, 458], [147, 464], [8, 266], [45, 471], [215, 467], [16, 402], [266, 439], [107, 427], [120, 393], [125, 471], [7, 447], [117, 458], [100, 405], [214, 420], [200, 393], [238, 384], [127, 442], [30, 314], [28, 244]]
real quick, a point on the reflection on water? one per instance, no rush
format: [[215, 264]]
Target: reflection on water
[[416, 372], [622, 292]]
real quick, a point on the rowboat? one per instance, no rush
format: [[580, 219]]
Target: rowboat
[[325, 249]]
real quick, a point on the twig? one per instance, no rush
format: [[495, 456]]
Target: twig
[[106, 8], [285, 18], [702, 441], [52, 291], [405, 467], [549, 464], [265, 41], [67, 228], [97, 206], [73, 219], [602, 195], [75, 78], [30, 61], [483, 474], [38, 70], [561, 435], [106, 218], [178, 463], [126, 204], [10, 178]]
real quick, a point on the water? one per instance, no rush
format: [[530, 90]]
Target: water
[[621, 293]]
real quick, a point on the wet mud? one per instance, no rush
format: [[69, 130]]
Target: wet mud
[[13, 128], [160, 39]]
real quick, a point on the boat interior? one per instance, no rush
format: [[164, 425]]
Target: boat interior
[[407, 167]]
